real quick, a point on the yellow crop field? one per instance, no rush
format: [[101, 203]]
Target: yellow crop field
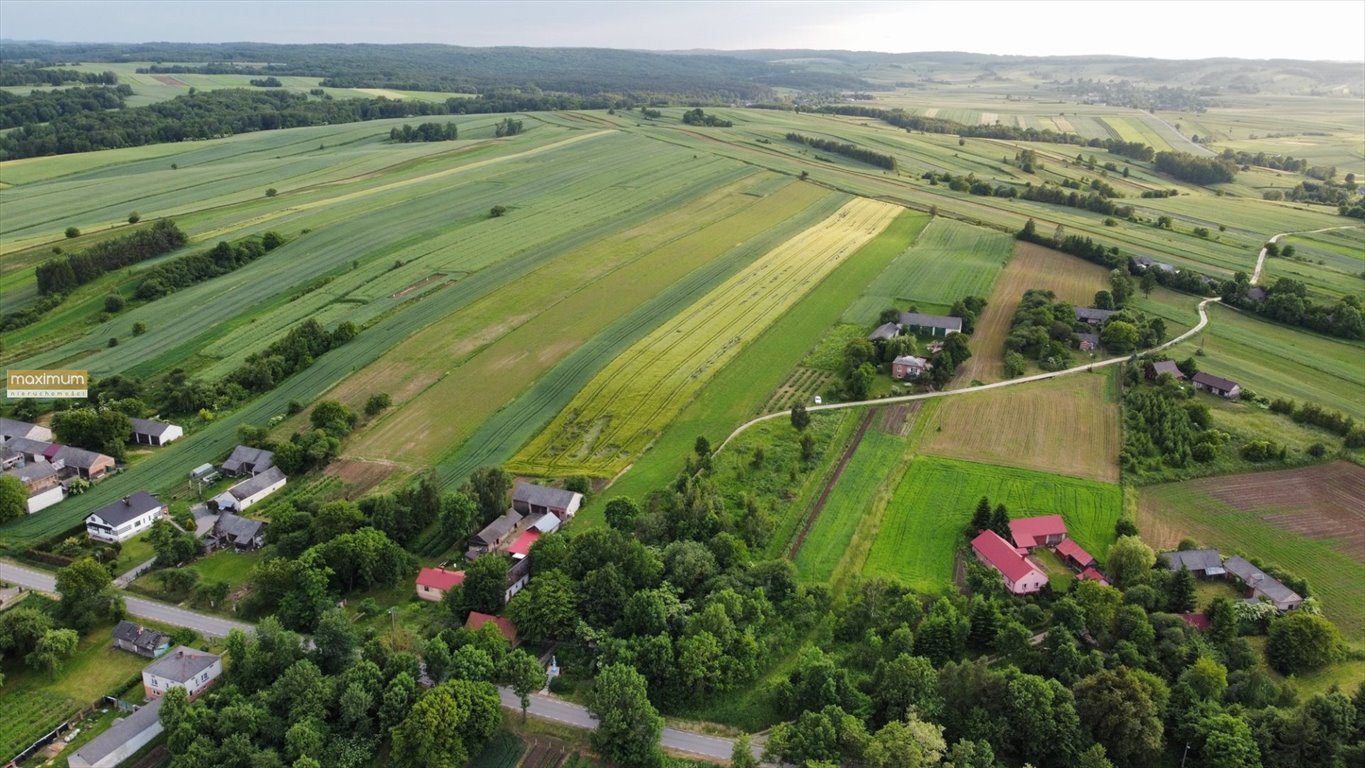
[[625, 406]]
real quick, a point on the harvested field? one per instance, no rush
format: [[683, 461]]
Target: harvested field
[[168, 80], [1032, 266], [1069, 426], [1310, 521], [359, 475], [896, 419], [625, 407]]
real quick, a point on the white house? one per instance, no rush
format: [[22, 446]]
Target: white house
[[251, 490], [185, 667], [147, 432], [124, 518]]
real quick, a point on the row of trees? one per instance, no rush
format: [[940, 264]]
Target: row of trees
[[12, 74], [1094, 201], [1196, 170], [699, 117], [185, 271], [42, 106], [1076, 245], [424, 132], [851, 151], [63, 273]]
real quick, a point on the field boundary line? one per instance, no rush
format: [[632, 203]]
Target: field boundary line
[[1203, 321], [830, 482], [1260, 258]]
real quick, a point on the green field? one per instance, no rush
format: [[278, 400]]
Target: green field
[[948, 261], [920, 535]]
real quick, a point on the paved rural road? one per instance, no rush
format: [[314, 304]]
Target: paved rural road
[[145, 609], [1260, 258], [1203, 321], [568, 713]]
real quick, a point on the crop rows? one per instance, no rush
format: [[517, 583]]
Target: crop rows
[[950, 260], [630, 401]]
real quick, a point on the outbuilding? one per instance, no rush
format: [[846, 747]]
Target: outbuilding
[[531, 499], [1229, 390], [123, 739], [148, 432], [930, 325], [251, 490]]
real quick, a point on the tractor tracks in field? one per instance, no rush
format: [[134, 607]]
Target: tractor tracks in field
[[819, 503]]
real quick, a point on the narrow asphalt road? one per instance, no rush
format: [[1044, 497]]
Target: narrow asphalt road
[[1260, 258], [576, 716], [211, 626], [1203, 321]]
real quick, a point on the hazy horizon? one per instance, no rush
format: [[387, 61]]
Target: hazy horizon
[[1317, 31]]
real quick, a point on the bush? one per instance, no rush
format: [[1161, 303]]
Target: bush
[[1317, 450], [72, 232], [113, 303], [497, 210], [113, 341], [134, 217], [1204, 452], [1262, 450], [139, 328], [271, 192], [377, 403]]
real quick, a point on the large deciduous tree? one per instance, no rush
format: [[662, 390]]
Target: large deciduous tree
[[1122, 710], [628, 726], [447, 726], [1302, 641]]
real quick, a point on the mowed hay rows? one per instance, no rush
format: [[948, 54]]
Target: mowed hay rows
[[1310, 521], [1069, 426], [626, 405], [1032, 266], [924, 522]]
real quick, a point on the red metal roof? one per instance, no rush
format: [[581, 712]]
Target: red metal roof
[[505, 626], [1001, 556], [439, 578], [1071, 549], [1027, 530], [1090, 574], [1197, 620], [522, 546]]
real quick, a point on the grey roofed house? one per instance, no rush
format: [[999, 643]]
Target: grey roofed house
[[79, 457], [1092, 315], [256, 483], [493, 533], [1091, 340], [1256, 293], [15, 428], [32, 449], [32, 472], [181, 665], [943, 322], [885, 331], [1205, 562], [123, 739], [242, 532], [128, 508], [250, 460], [134, 637], [1262, 583]]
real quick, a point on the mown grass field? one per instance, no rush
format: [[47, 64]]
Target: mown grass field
[[626, 405], [948, 261], [922, 528], [1068, 426], [1314, 533]]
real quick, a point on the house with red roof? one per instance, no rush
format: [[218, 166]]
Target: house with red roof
[[1090, 574], [1073, 555], [433, 583], [1032, 532], [1021, 576], [505, 626]]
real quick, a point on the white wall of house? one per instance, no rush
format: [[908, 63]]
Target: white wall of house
[[123, 532], [44, 499], [261, 494], [155, 685]]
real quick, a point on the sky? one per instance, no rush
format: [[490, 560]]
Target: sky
[[1170, 29]]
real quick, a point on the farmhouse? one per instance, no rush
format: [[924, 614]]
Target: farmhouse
[[251, 490], [1093, 316], [1032, 532], [41, 481], [245, 460], [11, 428], [1200, 562], [241, 533], [909, 367], [124, 518], [494, 534], [505, 626], [1143, 262], [884, 331], [1154, 370], [433, 583], [1074, 555], [1262, 585], [1021, 577], [1213, 385], [78, 462], [123, 739], [529, 499], [147, 432], [138, 639], [1087, 342], [930, 325], [185, 667]]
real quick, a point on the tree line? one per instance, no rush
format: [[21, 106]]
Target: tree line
[[267, 82], [424, 132], [1095, 201], [200, 115], [37, 74], [1075, 245], [851, 151], [70, 271], [698, 116], [1196, 170], [185, 271], [44, 106]]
